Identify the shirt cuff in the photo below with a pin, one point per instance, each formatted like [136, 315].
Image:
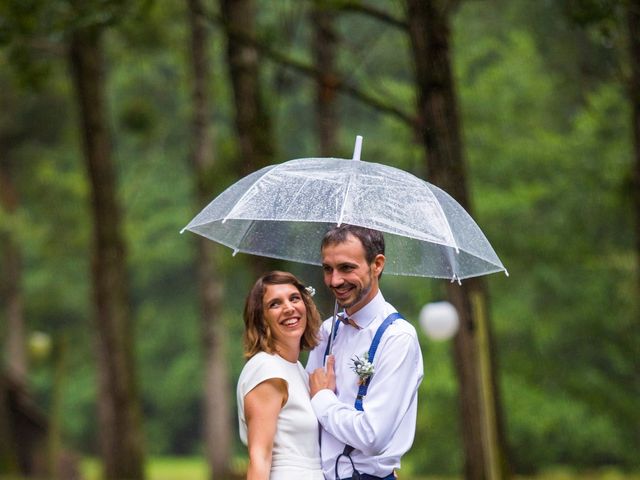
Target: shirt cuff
[321, 401]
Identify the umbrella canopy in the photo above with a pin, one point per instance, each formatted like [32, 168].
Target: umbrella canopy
[282, 211]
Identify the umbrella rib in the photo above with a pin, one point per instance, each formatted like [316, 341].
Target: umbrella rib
[457, 248]
[446, 221]
[453, 260]
[244, 235]
[346, 194]
[246, 194]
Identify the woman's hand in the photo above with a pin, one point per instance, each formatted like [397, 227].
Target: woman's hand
[262, 406]
[322, 378]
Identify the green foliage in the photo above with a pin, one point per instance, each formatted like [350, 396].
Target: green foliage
[432, 450]
[560, 186]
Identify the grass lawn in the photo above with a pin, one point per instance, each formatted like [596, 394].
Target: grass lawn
[161, 468]
[194, 468]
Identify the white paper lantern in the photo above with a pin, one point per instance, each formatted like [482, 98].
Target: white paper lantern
[439, 320]
[39, 345]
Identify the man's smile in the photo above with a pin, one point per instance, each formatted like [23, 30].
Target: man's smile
[343, 290]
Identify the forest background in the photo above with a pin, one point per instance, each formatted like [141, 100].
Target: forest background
[547, 131]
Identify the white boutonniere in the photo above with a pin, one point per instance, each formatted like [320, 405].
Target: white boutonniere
[362, 367]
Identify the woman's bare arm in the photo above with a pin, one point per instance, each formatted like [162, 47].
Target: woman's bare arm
[262, 406]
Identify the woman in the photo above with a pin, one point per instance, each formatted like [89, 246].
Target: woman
[276, 420]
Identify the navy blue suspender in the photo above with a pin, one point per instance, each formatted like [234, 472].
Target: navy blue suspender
[362, 390]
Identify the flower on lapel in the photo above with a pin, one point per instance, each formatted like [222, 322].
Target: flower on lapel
[362, 367]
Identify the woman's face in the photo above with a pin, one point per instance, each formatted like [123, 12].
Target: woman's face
[285, 312]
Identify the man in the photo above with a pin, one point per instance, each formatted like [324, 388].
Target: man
[382, 428]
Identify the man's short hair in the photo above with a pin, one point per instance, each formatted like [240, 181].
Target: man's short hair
[372, 240]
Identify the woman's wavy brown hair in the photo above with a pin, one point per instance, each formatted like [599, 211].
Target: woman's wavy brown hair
[257, 334]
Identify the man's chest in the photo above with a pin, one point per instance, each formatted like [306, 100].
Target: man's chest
[348, 348]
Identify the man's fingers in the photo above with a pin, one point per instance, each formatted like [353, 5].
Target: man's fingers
[317, 381]
[331, 362]
[331, 374]
[323, 378]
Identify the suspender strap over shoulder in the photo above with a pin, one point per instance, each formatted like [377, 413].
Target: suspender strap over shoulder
[362, 391]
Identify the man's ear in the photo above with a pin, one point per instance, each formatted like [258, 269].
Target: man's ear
[378, 264]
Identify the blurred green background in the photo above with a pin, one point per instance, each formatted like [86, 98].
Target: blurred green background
[547, 131]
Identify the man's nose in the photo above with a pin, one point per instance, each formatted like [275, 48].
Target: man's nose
[335, 279]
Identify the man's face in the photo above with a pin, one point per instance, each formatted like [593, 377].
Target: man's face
[348, 275]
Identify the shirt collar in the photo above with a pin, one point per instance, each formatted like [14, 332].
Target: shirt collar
[368, 313]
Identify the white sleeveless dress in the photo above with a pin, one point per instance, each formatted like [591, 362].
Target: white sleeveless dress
[296, 454]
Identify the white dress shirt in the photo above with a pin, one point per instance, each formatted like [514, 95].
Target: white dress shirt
[384, 431]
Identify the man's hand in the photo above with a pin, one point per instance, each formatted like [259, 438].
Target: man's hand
[322, 378]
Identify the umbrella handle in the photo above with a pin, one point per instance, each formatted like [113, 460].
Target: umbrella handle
[333, 326]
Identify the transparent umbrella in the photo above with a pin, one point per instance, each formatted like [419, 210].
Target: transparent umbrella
[282, 211]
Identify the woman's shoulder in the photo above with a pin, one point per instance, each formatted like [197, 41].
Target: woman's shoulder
[260, 360]
[259, 368]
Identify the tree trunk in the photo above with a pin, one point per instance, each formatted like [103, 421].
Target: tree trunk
[324, 52]
[253, 124]
[439, 130]
[633, 18]
[118, 403]
[217, 408]
[8, 455]
[11, 293]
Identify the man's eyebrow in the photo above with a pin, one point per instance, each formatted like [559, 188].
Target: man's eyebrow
[347, 264]
[341, 264]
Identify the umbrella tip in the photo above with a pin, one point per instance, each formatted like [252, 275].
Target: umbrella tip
[182, 231]
[357, 148]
